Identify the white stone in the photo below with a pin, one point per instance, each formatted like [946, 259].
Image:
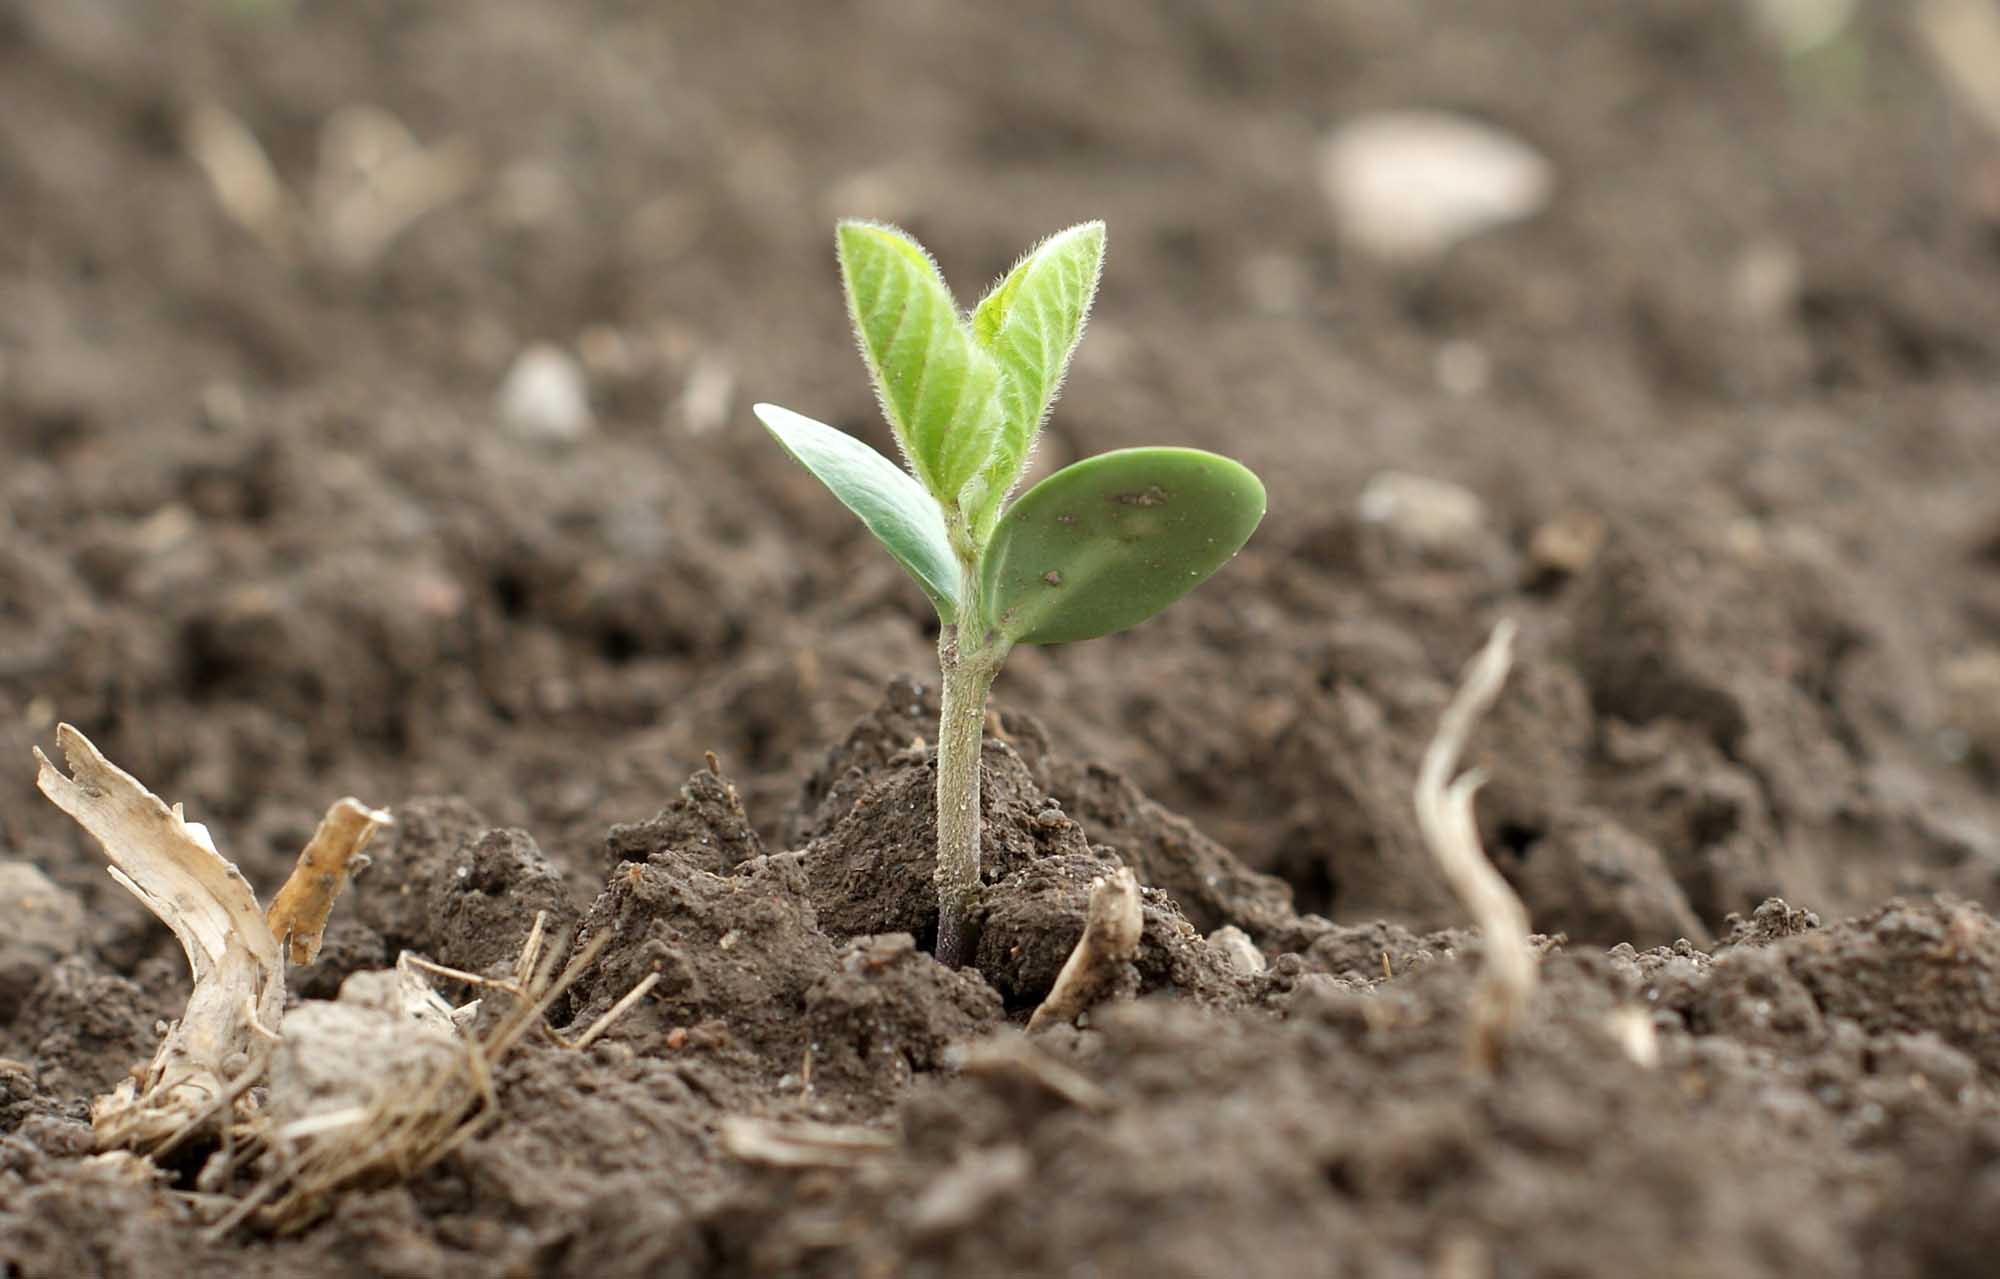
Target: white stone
[38, 912]
[1970, 684]
[544, 396]
[1236, 947]
[1406, 186]
[1796, 27]
[1430, 518]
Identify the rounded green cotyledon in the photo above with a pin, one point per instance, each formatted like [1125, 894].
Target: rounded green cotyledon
[1103, 545]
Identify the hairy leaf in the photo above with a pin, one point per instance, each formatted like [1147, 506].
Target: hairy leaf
[939, 388]
[1031, 322]
[893, 506]
[1108, 542]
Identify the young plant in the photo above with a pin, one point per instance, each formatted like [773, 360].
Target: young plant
[1097, 547]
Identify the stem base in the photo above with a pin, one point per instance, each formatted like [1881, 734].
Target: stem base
[961, 726]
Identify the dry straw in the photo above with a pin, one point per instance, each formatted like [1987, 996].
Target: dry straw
[1444, 813]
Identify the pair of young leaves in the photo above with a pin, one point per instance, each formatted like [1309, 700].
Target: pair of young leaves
[1098, 546]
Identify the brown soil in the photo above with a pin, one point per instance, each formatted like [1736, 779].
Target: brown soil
[263, 538]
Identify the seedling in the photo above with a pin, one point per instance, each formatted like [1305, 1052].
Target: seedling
[1095, 548]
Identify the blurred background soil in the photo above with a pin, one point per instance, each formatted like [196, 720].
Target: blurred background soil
[297, 499]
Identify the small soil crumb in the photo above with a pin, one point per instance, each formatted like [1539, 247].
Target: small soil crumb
[1912, 966]
[736, 955]
[347, 947]
[889, 1014]
[1772, 921]
[84, 1030]
[1205, 879]
[1598, 882]
[1028, 930]
[1418, 519]
[705, 824]
[750, 983]
[393, 896]
[485, 897]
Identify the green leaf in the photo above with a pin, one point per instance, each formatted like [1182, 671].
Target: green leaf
[939, 388]
[893, 506]
[1031, 323]
[1108, 542]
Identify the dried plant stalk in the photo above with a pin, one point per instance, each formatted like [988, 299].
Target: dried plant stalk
[222, 1043]
[1111, 929]
[802, 1143]
[239, 170]
[1444, 813]
[298, 913]
[239, 982]
[366, 1089]
[1016, 1060]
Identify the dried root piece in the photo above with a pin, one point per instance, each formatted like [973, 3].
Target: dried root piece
[1444, 813]
[802, 1144]
[1111, 928]
[1015, 1060]
[222, 1042]
[239, 171]
[624, 1005]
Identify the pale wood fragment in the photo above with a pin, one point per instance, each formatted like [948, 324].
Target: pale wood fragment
[298, 913]
[1111, 928]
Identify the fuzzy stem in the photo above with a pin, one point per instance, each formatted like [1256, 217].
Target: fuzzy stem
[968, 674]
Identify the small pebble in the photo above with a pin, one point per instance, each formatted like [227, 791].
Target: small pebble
[39, 913]
[1406, 186]
[1970, 683]
[1797, 27]
[1566, 544]
[544, 397]
[1428, 517]
[1238, 949]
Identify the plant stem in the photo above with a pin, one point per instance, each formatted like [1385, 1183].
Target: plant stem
[968, 674]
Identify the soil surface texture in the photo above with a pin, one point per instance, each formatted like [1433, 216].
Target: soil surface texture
[296, 503]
